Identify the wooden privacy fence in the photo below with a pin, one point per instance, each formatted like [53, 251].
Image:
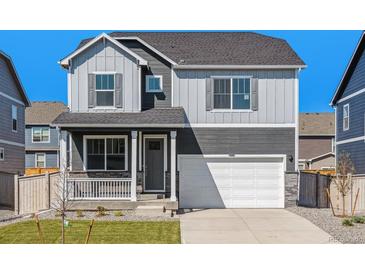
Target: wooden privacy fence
[312, 190]
[7, 189]
[336, 198]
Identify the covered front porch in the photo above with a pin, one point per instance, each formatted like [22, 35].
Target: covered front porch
[120, 168]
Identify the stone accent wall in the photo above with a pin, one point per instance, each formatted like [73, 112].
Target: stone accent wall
[291, 189]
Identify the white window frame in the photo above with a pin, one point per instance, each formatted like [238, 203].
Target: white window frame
[41, 142]
[104, 90]
[348, 117]
[231, 109]
[36, 161]
[14, 112]
[87, 137]
[148, 90]
[2, 151]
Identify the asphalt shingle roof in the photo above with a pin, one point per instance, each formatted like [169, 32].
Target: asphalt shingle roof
[151, 117]
[43, 113]
[317, 124]
[218, 48]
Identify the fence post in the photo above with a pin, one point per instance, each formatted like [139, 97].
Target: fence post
[16, 194]
[317, 189]
[47, 190]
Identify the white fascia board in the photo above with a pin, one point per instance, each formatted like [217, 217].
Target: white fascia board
[120, 125]
[320, 156]
[148, 46]
[347, 68]
[65, 62]
[239, 66]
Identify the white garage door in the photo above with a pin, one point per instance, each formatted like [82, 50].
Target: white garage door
[227, 182]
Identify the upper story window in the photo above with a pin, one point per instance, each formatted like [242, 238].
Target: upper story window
[14, 116]
[2, 154]
[153, 83]
[232, 93]
[40, 135]
[105, 88]
[346, 117]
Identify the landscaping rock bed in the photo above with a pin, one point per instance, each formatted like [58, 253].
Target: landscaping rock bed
[127, 215]
[323, 218]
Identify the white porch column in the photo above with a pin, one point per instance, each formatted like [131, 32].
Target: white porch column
[63, 150]
[173, 165]
[134, 166]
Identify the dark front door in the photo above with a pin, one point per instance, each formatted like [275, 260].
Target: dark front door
[154, 165]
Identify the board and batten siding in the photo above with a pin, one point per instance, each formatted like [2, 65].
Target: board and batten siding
[276, 96]
[156, 66]
[103, 57]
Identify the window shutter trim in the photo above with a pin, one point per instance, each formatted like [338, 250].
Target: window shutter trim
[91, 90]
[119, 90]
[209, 94]
[255, 97]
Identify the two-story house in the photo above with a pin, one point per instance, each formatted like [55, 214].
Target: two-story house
[349, 104]
[13, 101]
[42, 139]
[317, 141]
[208, 119]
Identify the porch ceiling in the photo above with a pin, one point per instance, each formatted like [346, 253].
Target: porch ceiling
[157, 117]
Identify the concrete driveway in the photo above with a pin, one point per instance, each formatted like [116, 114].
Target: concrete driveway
[249, 226]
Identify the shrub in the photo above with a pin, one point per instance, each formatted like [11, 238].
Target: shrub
[118, 214]
[347, 222]
[358, 219]
[79, 214]
[100, 211]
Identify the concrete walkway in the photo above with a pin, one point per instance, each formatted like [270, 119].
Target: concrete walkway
[249, 226]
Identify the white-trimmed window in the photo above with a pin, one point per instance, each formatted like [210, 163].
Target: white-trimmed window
[14, 117]
[2, 154]
[153, 83]
[40, 160]
[106, 153]
[40, 135]
[105, 90]
[346, 117]
[232, 93]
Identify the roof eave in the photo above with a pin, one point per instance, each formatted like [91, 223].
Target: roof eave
[239, 66]
[334, 97]
[83, 125]
[65, 62]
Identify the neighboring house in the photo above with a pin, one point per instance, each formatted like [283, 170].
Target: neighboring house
[349, 104]
[42, 139]
[206, 119]
[13, 101]
[317, 141]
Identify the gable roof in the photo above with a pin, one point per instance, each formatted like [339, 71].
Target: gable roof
[216, 48]
[15, 75]
[65, 61]
[317, 124]
[349, 69]
[43, 113]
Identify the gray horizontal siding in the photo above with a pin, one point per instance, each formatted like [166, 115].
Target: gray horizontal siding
[357, 80]
[54, 137]
[6, 123]
[51, 159]
[238, 141]
[357, 154]
[100, 58]
[156, 66]
[7, 83]
[276, 96]
[357, 112]
[14, 159]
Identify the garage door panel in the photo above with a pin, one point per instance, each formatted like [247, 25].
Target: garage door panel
[231, 182]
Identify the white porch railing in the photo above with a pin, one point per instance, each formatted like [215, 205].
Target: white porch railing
[99, 189]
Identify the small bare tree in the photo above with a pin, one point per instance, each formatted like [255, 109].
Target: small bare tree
[343, 180]
[61, 201]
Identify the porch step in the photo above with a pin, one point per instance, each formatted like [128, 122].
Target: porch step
[149, 197]
[151, 210]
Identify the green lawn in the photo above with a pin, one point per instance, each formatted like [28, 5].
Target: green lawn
[103, 232]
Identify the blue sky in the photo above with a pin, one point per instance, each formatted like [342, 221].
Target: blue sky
[35, 54]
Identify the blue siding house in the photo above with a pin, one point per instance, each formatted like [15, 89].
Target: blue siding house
[42, 139]
[349, 104]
